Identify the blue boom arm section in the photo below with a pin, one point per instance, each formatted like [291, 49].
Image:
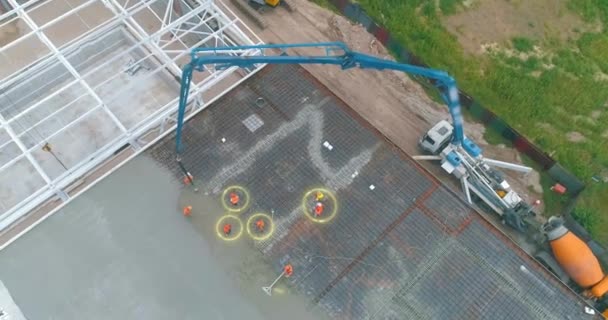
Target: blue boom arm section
[336, 53]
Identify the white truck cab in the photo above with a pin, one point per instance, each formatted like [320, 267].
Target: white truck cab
[437, 137]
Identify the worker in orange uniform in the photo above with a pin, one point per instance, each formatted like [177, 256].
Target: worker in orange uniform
[234, 198]
[288, 270]
[188, 178]
[319, 207]
[260, 224]
[187, 211]
[227, 229]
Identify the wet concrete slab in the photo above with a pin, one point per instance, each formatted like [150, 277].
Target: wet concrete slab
[123, 251]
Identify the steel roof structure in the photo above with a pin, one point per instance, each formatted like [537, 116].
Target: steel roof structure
[81, 79]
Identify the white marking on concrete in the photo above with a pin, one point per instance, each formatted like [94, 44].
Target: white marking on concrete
[308, 116]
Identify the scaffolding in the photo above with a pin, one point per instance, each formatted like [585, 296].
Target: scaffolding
[81, 80]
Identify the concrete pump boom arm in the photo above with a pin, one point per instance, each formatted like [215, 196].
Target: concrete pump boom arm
[336, 53]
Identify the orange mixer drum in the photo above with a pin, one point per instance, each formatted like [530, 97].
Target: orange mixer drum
[575, 257]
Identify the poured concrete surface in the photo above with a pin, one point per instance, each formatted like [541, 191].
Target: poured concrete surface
[123, 251]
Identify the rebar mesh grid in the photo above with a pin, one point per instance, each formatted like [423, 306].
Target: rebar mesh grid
[400, 246]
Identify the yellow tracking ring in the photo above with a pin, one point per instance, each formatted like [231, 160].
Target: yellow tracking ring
[228, 218]
[332, 213]
[237, 209]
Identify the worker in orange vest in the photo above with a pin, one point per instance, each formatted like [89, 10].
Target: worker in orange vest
[288, 270]
[319, 207]
[234, 198]
[187, 211]
[227, 229]
[188, 178]
[260, 224]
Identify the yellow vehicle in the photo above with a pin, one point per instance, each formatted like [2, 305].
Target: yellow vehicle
[255, 9]
[271, 3]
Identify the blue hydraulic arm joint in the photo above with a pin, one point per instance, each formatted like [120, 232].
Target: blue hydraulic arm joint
[336, 53]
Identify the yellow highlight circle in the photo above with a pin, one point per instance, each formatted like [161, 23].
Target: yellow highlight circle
[331, 197]
[230, 208]
[252, 234]
[219, 228]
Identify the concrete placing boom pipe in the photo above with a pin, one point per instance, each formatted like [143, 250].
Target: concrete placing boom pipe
[336, 53]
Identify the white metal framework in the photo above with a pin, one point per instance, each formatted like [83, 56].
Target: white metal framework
[81, 79]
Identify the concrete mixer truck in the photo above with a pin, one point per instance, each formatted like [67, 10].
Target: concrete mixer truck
[573, 261]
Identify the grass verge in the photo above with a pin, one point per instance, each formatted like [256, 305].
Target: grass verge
[558, 99]
[327, 5]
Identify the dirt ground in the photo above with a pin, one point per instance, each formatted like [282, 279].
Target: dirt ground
[392, 102]
[498, 21]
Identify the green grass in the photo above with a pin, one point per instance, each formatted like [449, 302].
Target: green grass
[590, 10]
[493, 137]
[448, 7]
[554, 203]
[577, 64]
[587, 218]
[526, 93]
[532, 64]
[594, 46]
[523, 44]
[325, 4]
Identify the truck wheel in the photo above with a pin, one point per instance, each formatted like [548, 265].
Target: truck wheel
[547, 260]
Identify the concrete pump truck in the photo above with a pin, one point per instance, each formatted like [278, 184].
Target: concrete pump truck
[445, 142]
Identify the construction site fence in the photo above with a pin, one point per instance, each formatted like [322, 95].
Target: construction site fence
[356, 14]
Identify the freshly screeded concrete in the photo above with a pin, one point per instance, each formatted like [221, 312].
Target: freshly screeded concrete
[124, 251]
